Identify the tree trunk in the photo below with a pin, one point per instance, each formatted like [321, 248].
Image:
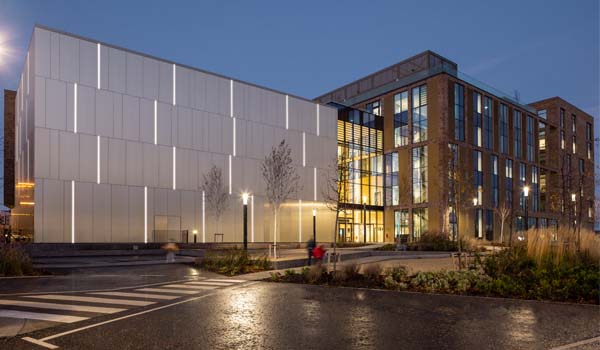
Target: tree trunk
[275, 234]
[501, 231]
[335, 233]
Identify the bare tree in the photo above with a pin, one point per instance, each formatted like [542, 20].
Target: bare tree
[335, 192]
[504, 212]
[281, 181]
[215, 194]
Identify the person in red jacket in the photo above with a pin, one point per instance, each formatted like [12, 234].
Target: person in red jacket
[318, 254]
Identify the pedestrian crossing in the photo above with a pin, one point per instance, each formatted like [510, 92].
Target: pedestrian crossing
[76, 307]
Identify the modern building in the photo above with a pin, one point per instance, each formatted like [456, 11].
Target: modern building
[111, 146]
[457, 150]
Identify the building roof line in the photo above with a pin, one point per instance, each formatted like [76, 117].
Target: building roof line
[81, 37]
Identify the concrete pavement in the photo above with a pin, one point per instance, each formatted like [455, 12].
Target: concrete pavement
[287, 316]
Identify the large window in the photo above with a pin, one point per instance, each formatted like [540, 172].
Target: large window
[477, 127]
[374, 107]
[478, 178]
[478, 223]
[401, 119]
[529, 140]
[401, 222]
[562, 118]
[517, 133]
[509, 181]
[503, 129]
[542, 142]
[562, 139]
[542, 114]
[419, 174]
[494, 197]
[543, 181]
[522, 181]
[589, 140]
[573, 124]
[574, 144]
[459, 112]
[535, 190]
[488, 139]
[420, 220]
[419, 115]
[391, 179]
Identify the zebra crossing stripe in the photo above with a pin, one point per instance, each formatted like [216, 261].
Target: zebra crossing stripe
[67, 307]
[138, 295]
[93, 300]
[41, 316]
[225, 280]
[186, 286]
[168, 290]
[206, 283]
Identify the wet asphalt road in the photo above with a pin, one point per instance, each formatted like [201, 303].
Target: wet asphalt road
[266, 315]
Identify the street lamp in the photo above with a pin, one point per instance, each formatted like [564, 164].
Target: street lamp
[245, 196]
[574, 200]
[365, 219]
[526, 194]
[314, 212]
[195, 232]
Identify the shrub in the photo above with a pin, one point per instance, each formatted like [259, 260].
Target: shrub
[433, 242]
[372, 271]
[14, 261]
[314, 274]
[397, 273]
[351, 272]
[234, 262]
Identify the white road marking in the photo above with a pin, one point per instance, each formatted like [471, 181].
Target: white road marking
[225, 280]
[579, 343]
[185, 286]
[167, 290]
[93, 300]
[69, 307]
[42, 342]
[138, 295]
[207, 283]
[41, 316]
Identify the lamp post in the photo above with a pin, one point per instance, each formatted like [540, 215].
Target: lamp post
[526, 194]
[475, 200]
[245, 203]
[314, 212]
[195, 232]
[365, 219]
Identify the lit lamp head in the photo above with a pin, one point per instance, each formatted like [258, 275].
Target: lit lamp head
[195, 232]
[474, 201]
[526, 191]
[365, 199]
[573, 197]
[245, 196]
[314, 212]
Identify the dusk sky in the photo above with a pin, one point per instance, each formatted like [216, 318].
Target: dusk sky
[306, 48]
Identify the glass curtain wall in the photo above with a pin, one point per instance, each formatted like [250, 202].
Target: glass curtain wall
[360, 145]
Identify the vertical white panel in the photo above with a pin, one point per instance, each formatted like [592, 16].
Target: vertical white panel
[318, 117]
[252, 217]
[72, 211]
[287, 112]
[28, 73]
[231, 98]
[99, 65]
[203, 218]
[230, 174]
[299, 220]
[174, 85]
[303, 148]
[234, 137]
[145, 214]
[75, 108]
[98, 159]
[315, 184]
[155, 122]
[174, 168]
